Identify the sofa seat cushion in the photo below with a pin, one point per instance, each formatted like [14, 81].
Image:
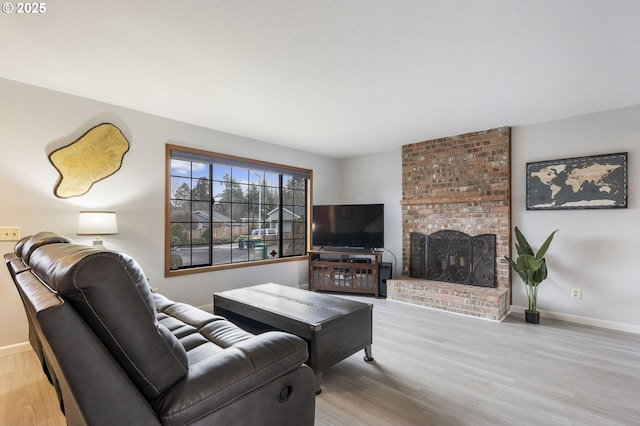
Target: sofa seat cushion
[201, 333]
[225, 361]
[190, 315]
[225, 375]
[111, 293]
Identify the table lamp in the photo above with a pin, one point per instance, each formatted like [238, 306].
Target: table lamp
[97, 223]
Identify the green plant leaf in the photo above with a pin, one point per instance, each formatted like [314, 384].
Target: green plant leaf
[515, 268]
[526, 264]
[545, 246]
[541, 273]
[523, 246]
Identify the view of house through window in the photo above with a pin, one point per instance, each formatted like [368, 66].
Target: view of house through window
[225, 210]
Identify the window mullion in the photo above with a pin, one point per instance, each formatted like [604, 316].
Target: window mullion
[211, 230]
[186, 245]
[280, 215]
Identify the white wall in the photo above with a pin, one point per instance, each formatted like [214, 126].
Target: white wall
[595, 250]
[34, 121]
[377, 178]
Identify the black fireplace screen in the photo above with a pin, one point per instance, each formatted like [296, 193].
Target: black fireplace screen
[454, 256]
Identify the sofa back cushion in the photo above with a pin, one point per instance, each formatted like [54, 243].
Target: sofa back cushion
[27, 245]
[110, 292]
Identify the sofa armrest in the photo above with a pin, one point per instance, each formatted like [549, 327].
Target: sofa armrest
[229, 374]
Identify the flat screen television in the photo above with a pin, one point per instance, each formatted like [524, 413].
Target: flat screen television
[348, 226]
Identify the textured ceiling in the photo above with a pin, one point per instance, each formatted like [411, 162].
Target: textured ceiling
[335, 77]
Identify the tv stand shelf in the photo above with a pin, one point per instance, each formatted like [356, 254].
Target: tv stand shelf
[347, 271]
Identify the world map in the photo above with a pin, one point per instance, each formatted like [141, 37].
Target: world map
[585, 182]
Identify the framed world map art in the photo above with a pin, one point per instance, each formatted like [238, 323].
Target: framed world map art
[594, 182]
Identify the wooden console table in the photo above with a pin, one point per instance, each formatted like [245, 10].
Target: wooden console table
[354, 271]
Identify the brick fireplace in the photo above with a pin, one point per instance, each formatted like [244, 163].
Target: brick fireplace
[459, 183]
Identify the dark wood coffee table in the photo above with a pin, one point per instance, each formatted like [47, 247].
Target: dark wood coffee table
[334, 328]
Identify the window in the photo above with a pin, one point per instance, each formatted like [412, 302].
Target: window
[226, 211]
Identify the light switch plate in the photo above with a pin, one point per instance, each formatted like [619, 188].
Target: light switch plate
[9, 233]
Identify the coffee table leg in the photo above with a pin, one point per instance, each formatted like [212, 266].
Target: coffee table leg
[367, 354]
[317, 379]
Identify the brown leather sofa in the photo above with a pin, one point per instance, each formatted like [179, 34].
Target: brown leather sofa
[119, 354]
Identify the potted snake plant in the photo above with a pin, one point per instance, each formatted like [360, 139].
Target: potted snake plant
[532, 269]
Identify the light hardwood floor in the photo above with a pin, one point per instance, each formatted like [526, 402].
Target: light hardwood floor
[435, 368]
[26, 397]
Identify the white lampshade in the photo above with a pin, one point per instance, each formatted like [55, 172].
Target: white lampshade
[97, 223]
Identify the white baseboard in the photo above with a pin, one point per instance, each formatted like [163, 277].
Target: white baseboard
[14, 349]
[612, 325]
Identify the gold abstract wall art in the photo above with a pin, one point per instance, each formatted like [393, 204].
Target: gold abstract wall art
[96, 155]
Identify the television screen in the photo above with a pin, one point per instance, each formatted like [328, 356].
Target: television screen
[349, 225]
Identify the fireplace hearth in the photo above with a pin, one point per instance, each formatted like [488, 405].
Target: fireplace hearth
[455, 257]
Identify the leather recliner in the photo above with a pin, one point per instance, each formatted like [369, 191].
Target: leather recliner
[117, 353]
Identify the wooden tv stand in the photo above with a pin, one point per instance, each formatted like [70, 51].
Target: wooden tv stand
[345, 271]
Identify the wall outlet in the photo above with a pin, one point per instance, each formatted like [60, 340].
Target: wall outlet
[576, 293]
[9, 234]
